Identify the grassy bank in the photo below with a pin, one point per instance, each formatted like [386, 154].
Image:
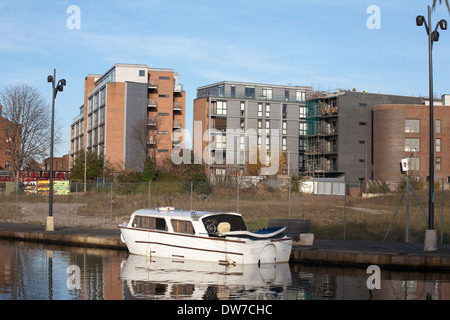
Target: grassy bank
[363, 219]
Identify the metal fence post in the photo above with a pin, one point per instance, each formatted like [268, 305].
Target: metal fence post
[345, 210]
[191, 193]
[110, 220]
[76, 204]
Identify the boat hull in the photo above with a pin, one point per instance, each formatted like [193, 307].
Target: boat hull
[234, 250]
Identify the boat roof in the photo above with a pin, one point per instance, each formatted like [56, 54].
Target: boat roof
[175, 212]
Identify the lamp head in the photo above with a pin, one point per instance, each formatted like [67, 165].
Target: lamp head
[435, 36]
[420, 20]
[49, 78]
[63, 82]
[443, 24]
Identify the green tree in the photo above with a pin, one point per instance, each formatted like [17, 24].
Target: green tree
[95, 166]
[149, 172]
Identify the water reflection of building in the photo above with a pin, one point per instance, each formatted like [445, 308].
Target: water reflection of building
[311, 282]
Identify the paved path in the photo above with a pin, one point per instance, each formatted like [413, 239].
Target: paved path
[330, 252]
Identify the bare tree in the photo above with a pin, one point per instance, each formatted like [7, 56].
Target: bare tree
[146, 137]
[28, 125]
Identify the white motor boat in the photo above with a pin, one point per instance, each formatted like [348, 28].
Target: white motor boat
[220, 237]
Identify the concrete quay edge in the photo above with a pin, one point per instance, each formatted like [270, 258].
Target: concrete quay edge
[108, 239]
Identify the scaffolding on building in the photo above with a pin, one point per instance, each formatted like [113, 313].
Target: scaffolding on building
[321, 132]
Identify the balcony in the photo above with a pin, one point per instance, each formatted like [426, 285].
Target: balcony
[152, 84]
[151, 141]
[178, 88]
[177, 124]
[152, 103]
[177, 106]
[151, 122]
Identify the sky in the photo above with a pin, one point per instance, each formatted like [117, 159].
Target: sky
[326, 44]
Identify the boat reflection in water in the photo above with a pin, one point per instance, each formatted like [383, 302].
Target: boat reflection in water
[163, 278]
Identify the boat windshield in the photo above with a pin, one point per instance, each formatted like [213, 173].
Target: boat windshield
[212, 222]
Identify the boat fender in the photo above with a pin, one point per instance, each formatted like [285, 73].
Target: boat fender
[122, 239]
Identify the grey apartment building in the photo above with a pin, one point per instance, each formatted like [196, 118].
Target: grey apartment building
[340, 133]
[257, 108]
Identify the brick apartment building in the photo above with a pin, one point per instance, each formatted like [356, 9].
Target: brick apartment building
[246, 108]
[402, 132]
[129, 113]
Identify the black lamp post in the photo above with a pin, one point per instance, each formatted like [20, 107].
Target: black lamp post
[430, 234]
[55, 88]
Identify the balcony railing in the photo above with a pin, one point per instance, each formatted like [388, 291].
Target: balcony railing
[178, 88]
[152, 84]
[152, 103]
[177, 106]
[177, 124]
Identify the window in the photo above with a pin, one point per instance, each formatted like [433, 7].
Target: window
[151, 223]
[302, 128]
[96, 101]
[163, 132]
[286, 95]
[300, 96]
[438, 145]
[302, 112]
[267, 93]
[164, 78]
[267, 126]
[284, 110]
[221, 91]
[90, 104]
[233, 91]
[412, 145]
[163, 114]
[221, 107]
[182, 226]
[438, 164]
[102, 97]
[284, 144]
[250, 93]
[141, 73]
[284, 127]
[412, 125]
[363, 105]
[438, 126]
[362, 123]
[163, 95]
[163, 150]
[242, 108]
[260, 107]
[267, 110]
[102, 115]
[414, 163]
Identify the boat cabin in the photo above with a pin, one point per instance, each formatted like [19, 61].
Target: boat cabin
[169, 219]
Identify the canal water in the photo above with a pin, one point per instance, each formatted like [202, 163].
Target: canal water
[30, 271]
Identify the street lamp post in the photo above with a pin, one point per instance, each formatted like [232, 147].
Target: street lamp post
[50, 226]
[430, 233]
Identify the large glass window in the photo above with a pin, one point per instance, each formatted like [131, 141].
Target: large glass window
[412, 145]
[250, 93]
[412, 125]
[221, 107]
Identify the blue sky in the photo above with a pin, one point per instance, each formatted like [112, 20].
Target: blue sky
[325, 44]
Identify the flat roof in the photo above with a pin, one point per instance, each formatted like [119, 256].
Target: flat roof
[250, 84]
